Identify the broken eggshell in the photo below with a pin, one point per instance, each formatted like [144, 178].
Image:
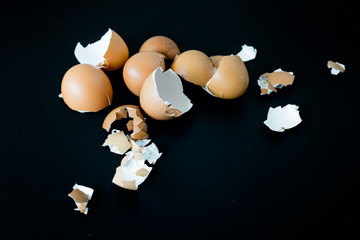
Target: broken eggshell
[136, 122]
[109, 53]
[81, 196]
[162, 96]
[161, 44]
[194, 66]
[231, 78]
[247, 53]
[335, 67]
[85, 88]
[279, 119]
[139, 67]
[269, 82]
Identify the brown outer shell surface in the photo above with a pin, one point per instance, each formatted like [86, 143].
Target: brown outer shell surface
[112, 116]
[194, 66]
[86, 88]
[283, 78]
[151, 102]
[161, 44]
[117, 53]
[139, 67]
[231, 79]
[216, 60]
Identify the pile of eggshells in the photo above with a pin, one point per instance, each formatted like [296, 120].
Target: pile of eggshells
[86, 88]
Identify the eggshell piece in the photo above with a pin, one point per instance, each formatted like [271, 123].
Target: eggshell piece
[139, 67]
[194, 66]
[161, 44]
[216, 60]
[162, 96]
[85, 88]
[231, 78]
[109, 53]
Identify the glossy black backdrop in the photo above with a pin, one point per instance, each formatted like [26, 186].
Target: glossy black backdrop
[223, 173]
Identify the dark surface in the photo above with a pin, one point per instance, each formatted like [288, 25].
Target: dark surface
[223, 173]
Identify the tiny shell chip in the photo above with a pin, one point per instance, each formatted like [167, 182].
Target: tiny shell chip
[247, 53]
[162, 96]
[194, 66]
[117, 142]
[85, 88]
[81, 195]
[161, 44]
[231, 78]
[279, 119]
[336, 67]
[109, 53]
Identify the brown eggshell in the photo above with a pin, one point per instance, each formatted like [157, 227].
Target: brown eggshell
[161, 44]
[151, 102]
[139, 67]
[231, 78]
[117, 53]
[194, 66]
[86, 88]
[117, 114]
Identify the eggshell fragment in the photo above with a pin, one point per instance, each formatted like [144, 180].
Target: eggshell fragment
[336, 67]
[279, 119]
[109, 53]
[247, 53]
[231, 78]
[81, 196]
[117, 142]
[194, 66]
[162, 96]
[161, 44]
[269, 82]
[139, 67]
[85, 88]
[139, 126]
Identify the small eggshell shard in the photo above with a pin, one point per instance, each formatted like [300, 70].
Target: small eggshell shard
[109, 53]
[194, 66]
[247, 53]
[279, 119]
[81, 196]
[161, 44]
[137, 121]
[335, 67]
[85, 88]
[133, 169]
[231, 78]
[139, 67]
[117, 142]
[162, 96]
[270, 82]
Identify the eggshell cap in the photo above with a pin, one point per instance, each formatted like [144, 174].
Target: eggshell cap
[161, 44]
[86, 88]
[139, 67]
[231, 78]
[194, 66]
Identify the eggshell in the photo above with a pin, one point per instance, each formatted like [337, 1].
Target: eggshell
[194, 66]
[116, 114]
[162, 97]
[139, 67]
[109, 53]
[161, 44]
[117, 53]
[86, 88]
[231, 78]
[216, 60]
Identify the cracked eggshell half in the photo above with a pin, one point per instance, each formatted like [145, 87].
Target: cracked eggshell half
[109, 53]
[139, 67]
[162, 96]
[161, 44]
[231, 78]
[85, 88]
[194, 66]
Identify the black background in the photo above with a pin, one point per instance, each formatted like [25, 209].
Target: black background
[223, 173]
